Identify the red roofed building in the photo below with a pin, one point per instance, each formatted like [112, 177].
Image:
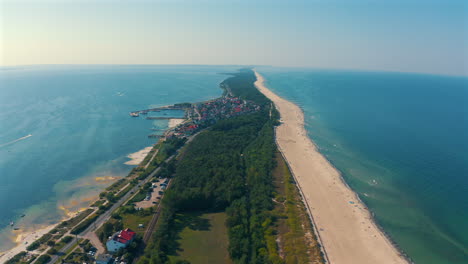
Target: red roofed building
[120, 240]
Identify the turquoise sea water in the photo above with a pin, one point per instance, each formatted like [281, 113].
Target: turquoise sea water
[401, 142]
[80, 126]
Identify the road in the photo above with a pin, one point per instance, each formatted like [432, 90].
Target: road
[105, 216]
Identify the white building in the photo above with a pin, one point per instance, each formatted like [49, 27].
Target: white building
[120, 240]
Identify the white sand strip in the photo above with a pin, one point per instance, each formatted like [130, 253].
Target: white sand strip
[137, 157]
[345, 226]
[175, 121]
[23, 240]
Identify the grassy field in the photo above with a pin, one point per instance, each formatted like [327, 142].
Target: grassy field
[133, 220]
[202, 239]
[129, 220]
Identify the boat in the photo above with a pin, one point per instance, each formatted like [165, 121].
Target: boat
[23, 215]
[12, 223]
[16, 228]
[134, 114]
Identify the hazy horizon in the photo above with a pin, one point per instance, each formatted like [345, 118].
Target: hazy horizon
[401, 36]
[291, 68]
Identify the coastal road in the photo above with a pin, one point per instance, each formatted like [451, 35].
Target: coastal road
[105, 216]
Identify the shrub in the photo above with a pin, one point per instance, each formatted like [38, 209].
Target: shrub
[43, 259]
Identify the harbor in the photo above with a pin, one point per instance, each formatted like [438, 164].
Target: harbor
[183, 107]
[197, 116]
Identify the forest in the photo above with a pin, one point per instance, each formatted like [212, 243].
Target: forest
[226, 168]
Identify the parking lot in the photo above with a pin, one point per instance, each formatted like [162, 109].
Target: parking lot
[154, 197]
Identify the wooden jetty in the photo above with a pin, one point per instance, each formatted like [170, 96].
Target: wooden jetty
[155, 136]
[159, 109]
[163, 117]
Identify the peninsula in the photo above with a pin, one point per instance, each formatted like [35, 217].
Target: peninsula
[235, 182]
[216, 177]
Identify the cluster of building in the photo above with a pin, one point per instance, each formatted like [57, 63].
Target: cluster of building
[184, 130]
[207, 113]
[224, 107]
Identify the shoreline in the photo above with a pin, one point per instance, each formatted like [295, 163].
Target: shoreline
[21, 237]
[137, 157]
[30, 236]
[25, 237]
[345, 227]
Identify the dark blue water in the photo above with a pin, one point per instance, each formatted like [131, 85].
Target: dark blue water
[400, 141]
[81, 130]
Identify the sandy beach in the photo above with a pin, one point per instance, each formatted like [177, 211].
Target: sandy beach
[24, 239]
[137, 157]
[344, 225]
[175, 121]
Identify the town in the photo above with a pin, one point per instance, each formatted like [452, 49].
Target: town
[203, 114]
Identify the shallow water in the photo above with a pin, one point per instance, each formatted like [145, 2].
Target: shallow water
[400, 141]
[81, 131]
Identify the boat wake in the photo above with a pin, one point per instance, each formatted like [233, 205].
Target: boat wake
[14, 141]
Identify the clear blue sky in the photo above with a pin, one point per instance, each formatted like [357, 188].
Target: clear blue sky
[392, 35]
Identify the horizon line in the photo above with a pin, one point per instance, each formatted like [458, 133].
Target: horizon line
[244, 65]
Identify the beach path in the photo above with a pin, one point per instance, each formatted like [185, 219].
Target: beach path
[345, 227]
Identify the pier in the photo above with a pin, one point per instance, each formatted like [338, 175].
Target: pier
[155, 136]
[164, 117]
[162, 108]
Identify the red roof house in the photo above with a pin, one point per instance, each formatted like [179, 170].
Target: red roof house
[120, 240]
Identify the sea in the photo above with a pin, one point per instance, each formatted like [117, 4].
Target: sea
[400, 141]
[66, 132]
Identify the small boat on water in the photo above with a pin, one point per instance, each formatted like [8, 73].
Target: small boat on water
[23, 215]
[12, 223]
[134, 114]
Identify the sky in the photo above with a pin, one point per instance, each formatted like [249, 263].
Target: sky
[428, 36]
